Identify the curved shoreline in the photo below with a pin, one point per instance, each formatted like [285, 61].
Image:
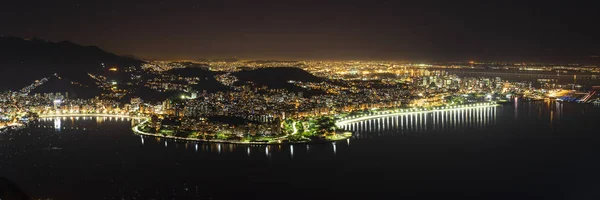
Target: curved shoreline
[139, 132]
[343, 121]
[357, 118]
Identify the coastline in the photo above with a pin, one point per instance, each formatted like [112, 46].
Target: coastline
[343, 121]
[281, 139]
[139, 132]
[356, 118]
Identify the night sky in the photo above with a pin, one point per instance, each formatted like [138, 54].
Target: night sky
[375, 30]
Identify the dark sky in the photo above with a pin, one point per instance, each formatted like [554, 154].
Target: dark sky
[389, 30]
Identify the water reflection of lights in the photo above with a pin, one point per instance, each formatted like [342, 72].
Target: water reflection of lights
[443, 120]
[267, 150]
[402, 124]
[334, 148]
[290, 151]
[57, 125]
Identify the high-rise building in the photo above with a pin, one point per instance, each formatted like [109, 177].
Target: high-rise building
[57, 103]
[135, 103]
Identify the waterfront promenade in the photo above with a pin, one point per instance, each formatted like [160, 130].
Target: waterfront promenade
[409, 111]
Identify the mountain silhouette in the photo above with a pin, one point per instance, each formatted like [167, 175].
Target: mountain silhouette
[278, 78]
[275, 77]
[206, 78]
[23, 61]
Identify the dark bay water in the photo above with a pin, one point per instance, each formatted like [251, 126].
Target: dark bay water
[531, 150]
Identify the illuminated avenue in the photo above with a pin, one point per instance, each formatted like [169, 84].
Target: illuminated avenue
[313, 106]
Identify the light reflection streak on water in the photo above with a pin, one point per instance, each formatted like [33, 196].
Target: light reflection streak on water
[439, 121]
[334, 148]
[57, 125]
[267, 151]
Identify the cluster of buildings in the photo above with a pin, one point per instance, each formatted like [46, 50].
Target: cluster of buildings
[352, 86]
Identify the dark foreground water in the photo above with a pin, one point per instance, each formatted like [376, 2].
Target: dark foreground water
[538, 150]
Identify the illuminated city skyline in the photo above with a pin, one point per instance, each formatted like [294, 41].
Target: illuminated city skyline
[307, 99]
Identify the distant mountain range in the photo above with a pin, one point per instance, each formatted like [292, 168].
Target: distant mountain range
[274, 78]
[66, 66]
[206, 78]
[277, 78]
[24, 60]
